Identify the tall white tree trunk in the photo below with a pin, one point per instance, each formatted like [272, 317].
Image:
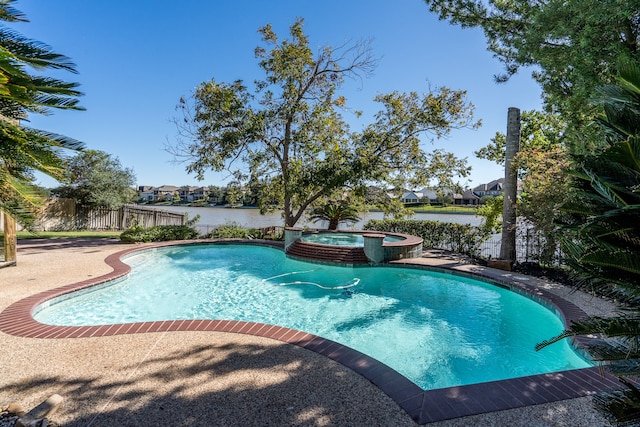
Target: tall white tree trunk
[508, 243]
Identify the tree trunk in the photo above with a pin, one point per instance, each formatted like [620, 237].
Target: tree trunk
[508, 243]
[10, 242]
[287, 213]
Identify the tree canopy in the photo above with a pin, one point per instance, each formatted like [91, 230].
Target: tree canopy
[573, 46]
[289, 137]
[22, 149]
[538, 131]
[98, 180]
[601, 242]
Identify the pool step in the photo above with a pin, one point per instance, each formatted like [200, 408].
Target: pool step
[337, 254]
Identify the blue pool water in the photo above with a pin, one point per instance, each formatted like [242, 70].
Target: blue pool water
[342, 239]
[436, 329]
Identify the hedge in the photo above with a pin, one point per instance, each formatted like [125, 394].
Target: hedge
[158, 233]
[459, 238]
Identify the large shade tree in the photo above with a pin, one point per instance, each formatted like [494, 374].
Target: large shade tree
[96, 179]
[289, 137]
[24, 150]
[572, 46]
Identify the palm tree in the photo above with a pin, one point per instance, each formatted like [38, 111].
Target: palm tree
[24, 150]
[335, 212]
[602, 241]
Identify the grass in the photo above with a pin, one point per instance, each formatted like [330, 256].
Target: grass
[62, 234]
[443, 209]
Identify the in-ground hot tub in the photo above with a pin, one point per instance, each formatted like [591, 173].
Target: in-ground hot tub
[351, 247]
[342, 238]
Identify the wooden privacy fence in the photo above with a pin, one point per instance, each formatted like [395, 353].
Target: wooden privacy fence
[65, 215]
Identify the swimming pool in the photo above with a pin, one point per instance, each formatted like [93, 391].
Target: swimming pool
[436, 329]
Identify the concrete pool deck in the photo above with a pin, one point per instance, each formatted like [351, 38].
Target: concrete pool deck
[208, 377]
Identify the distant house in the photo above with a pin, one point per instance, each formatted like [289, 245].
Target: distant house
[200, 193]
[429, 195]
[493, 188]
[165, 191]
[466, 198]
[146, 193]
[426, 195]
[411, 197]
[186, 193]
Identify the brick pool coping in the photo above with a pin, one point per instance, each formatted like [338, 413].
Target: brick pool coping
[423, 406]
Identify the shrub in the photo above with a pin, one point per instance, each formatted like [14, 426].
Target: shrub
[233, 231]
[491, 211]
[460, 238]
[158, 233]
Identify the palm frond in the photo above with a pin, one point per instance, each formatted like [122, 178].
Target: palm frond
[628, 152]
[621, 326]
[602, 240]
[605, 190]
[34, 53]
[10, 14]
[619, 260]
[622, 367]
[21, 200]
[23, 150]
[335, 212]
[621, 407]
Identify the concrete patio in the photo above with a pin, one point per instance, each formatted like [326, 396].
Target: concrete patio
[201, 378]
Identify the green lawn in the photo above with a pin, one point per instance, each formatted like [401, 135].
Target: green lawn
[443, 209]
[60, 234]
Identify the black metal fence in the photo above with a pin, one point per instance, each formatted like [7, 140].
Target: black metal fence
[531, 246]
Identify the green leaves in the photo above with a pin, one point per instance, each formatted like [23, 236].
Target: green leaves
[23, 150]
[335, 212]
[392, 145]
[290, 133]
[458, 238]
[158, 233]
[19, 198]
[573, 46]
[98, 180]
[600, 236]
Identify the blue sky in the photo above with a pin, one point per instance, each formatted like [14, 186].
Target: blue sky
[137, 58]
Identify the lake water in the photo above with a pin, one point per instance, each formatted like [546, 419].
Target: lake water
[211, 218]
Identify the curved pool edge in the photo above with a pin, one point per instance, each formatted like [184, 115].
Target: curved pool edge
[422, 406]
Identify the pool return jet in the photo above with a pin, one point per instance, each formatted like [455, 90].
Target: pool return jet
[353, 282]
